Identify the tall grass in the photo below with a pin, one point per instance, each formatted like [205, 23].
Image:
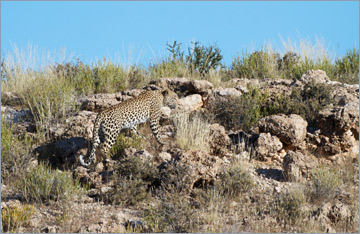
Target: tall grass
[192, 132]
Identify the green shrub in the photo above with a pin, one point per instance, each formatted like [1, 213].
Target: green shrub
[347, 67]
[15, 152]
[326, 182]
[14, 217]
[133, 181]
[50, 105]
[244, 111]
[288, 208]
[234, 181]
[259, 64]
[123, 142]
[42, 184]
[307, 102]
[173, 214]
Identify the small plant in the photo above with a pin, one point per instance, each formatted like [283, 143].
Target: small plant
[347, 67]
[15, 152]
[192, 132]
[326, 182]
[124, 142]
[244, 111]
[173, 214]
[14, 217]
[259, 64]
[234, 181]
[134, 178]
[288, 208]
[201, 59]
[42, 184]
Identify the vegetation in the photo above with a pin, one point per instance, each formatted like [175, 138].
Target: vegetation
[192, 132]
[14, 217]
[42, 185]
[161, 191]
[15, 152]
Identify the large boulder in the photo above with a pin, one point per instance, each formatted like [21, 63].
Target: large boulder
[200, 86]
[298, 166]
[316, 76]
[190, 103]
[219, 140]
[196, 168]
[267, 147]
[339, 131]
[339, 120]
[291, 130]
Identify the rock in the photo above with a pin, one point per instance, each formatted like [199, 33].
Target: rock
[50, 229]
[143, 154]
[328, 214]
[291, 130]
[200, 168]
[176, 84]
[164, 157]
[298, 166]
[338, 120]
[316, 76]
[165, 112]
[80, 125]
[267, 147]
[227, 92]
[99, 102]
[99, 167]
[200, 86]
[8, 98]
[14, 115]
[339, 130]
[219, 140]
[190, 103]
[343, 96]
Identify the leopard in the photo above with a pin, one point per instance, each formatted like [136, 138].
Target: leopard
[127, 115]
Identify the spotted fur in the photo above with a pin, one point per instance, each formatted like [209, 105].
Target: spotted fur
[129, 114]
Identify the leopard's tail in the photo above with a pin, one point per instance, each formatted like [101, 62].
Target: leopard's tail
[86, 161]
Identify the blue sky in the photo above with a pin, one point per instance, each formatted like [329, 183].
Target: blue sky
[92, 30]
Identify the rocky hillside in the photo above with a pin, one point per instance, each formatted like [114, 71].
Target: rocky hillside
[283, 153]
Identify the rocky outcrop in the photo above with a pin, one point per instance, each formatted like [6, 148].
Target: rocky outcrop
[291, 130]
[339, 130]
[219, 141]
[190, 103]
[201, 167]
[267, 147]
[316, 76]
[297, 166]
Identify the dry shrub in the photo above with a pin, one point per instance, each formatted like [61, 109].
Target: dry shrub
[192, 132]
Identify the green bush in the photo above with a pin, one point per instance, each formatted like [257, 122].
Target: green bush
[234, 181]
[134, 179]
[42, 184]
[288, 208]
[307, 102]
[244, 111]
[326, 182]
[14, 217]
[173, 214]
[123, 142]
[15, 152]
[259, 64]
[347, 67]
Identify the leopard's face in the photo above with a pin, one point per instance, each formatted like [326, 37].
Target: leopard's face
[170, 99]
